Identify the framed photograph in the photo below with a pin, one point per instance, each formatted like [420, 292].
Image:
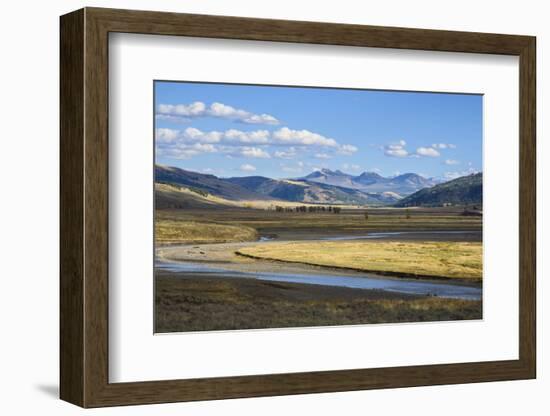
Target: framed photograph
[255, 207]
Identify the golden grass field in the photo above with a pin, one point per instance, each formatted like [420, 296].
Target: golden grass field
[173, 231]
[459, 260]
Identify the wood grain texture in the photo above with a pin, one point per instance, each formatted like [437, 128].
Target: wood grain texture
[528, 208]
[84, 207]
[96, 208]
[225, 27]
[71, 100]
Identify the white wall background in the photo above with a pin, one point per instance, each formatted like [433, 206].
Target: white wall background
[29, 207]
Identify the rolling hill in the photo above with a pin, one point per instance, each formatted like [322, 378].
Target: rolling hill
[208, 184]
[465, 190]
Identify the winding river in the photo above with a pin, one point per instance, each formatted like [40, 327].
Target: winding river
[332, 277]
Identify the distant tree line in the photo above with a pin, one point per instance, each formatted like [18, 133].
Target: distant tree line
[310, 209]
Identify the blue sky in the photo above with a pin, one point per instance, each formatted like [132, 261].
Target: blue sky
[281, 132]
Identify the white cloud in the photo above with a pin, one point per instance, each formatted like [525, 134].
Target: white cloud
[286, 154]
[250, 137]
[396, 152]
[281, 137]
[186, 151]
[452, 162]
[223, 110]
[195, 135]
[191, 142]
[443, 146]
[396, 149]
[301, 137]
[166, 135]
[254, 152]
[226, 111]
[185, 112]
[229, 137]
[248, 168]
[347, 149]
[428, 152]
[204, 147]
[239, 143]
[181, 110]
[261, 119]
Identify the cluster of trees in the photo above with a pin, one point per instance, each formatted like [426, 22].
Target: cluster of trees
[338, 210]
[312, 208]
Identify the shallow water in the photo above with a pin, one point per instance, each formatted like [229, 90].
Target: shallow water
[362, 281]
[396, 234]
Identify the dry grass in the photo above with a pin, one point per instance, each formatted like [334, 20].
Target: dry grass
[221, 304]
[192, 232]
[349, 221]
[462, 260]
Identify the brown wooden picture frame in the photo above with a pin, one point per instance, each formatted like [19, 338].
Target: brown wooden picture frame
[84, 207]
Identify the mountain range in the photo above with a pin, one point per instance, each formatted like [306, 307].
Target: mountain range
[402, 185]
[259, 188]
[301, 190]
[323, 187]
